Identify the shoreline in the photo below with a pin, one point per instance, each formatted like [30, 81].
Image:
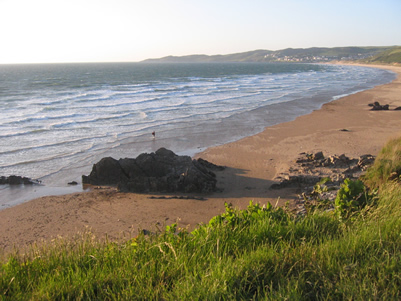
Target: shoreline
[252, 164]
[195, 139]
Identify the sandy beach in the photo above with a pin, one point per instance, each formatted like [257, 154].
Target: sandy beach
[344, 126]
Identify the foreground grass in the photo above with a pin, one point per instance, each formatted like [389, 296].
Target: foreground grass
[262, 253]
[258, 254]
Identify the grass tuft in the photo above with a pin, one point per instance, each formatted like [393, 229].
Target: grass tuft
[387, 166]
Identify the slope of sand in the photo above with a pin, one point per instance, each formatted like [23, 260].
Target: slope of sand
[252, 164]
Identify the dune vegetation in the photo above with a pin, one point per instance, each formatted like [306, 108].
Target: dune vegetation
[262, 253]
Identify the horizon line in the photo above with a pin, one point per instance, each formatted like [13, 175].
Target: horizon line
[178, 56]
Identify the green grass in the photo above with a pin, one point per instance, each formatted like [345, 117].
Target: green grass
[261, 253]
[387, 165]
[390, 56]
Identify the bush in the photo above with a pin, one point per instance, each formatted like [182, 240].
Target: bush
[351, 198]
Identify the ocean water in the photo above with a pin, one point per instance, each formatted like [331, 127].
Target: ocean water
[57, 120]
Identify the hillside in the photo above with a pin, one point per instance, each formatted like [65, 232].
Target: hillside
[250, 56]
[308, 55]
[390, 56]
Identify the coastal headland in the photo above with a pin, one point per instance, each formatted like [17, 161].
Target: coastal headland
[344, 126]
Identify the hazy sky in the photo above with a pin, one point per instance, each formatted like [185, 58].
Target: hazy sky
[35, 31]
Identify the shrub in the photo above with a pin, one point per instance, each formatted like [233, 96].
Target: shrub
[351, 198]
[318, 198]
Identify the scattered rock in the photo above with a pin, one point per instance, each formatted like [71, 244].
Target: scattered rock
[341, 161]
[296, 181]
[306, 158]
[365, 161]
[314, 167]
[72, 183]
[162, 171]
[317, 178]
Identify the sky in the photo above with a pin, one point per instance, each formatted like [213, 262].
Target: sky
[56, 31]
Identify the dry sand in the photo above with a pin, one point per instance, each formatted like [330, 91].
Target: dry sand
[252, 164]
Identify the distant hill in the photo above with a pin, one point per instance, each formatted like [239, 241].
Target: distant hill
[311, 55]
[250, 56]
[390, 56]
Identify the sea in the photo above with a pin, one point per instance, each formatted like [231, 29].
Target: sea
[57, 120]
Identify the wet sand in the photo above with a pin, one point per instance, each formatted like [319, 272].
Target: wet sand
[252, 165]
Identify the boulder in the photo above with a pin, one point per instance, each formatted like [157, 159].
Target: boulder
[162, 171]
[318, 156]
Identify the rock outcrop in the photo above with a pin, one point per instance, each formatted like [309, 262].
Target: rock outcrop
[311, 168]
[317, 178]
[162, 171]
[17, 180]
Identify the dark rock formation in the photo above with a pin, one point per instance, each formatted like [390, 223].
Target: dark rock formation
[17, 180]
[162, 171]
[210, 165]
[376, 106]
[107, 171]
